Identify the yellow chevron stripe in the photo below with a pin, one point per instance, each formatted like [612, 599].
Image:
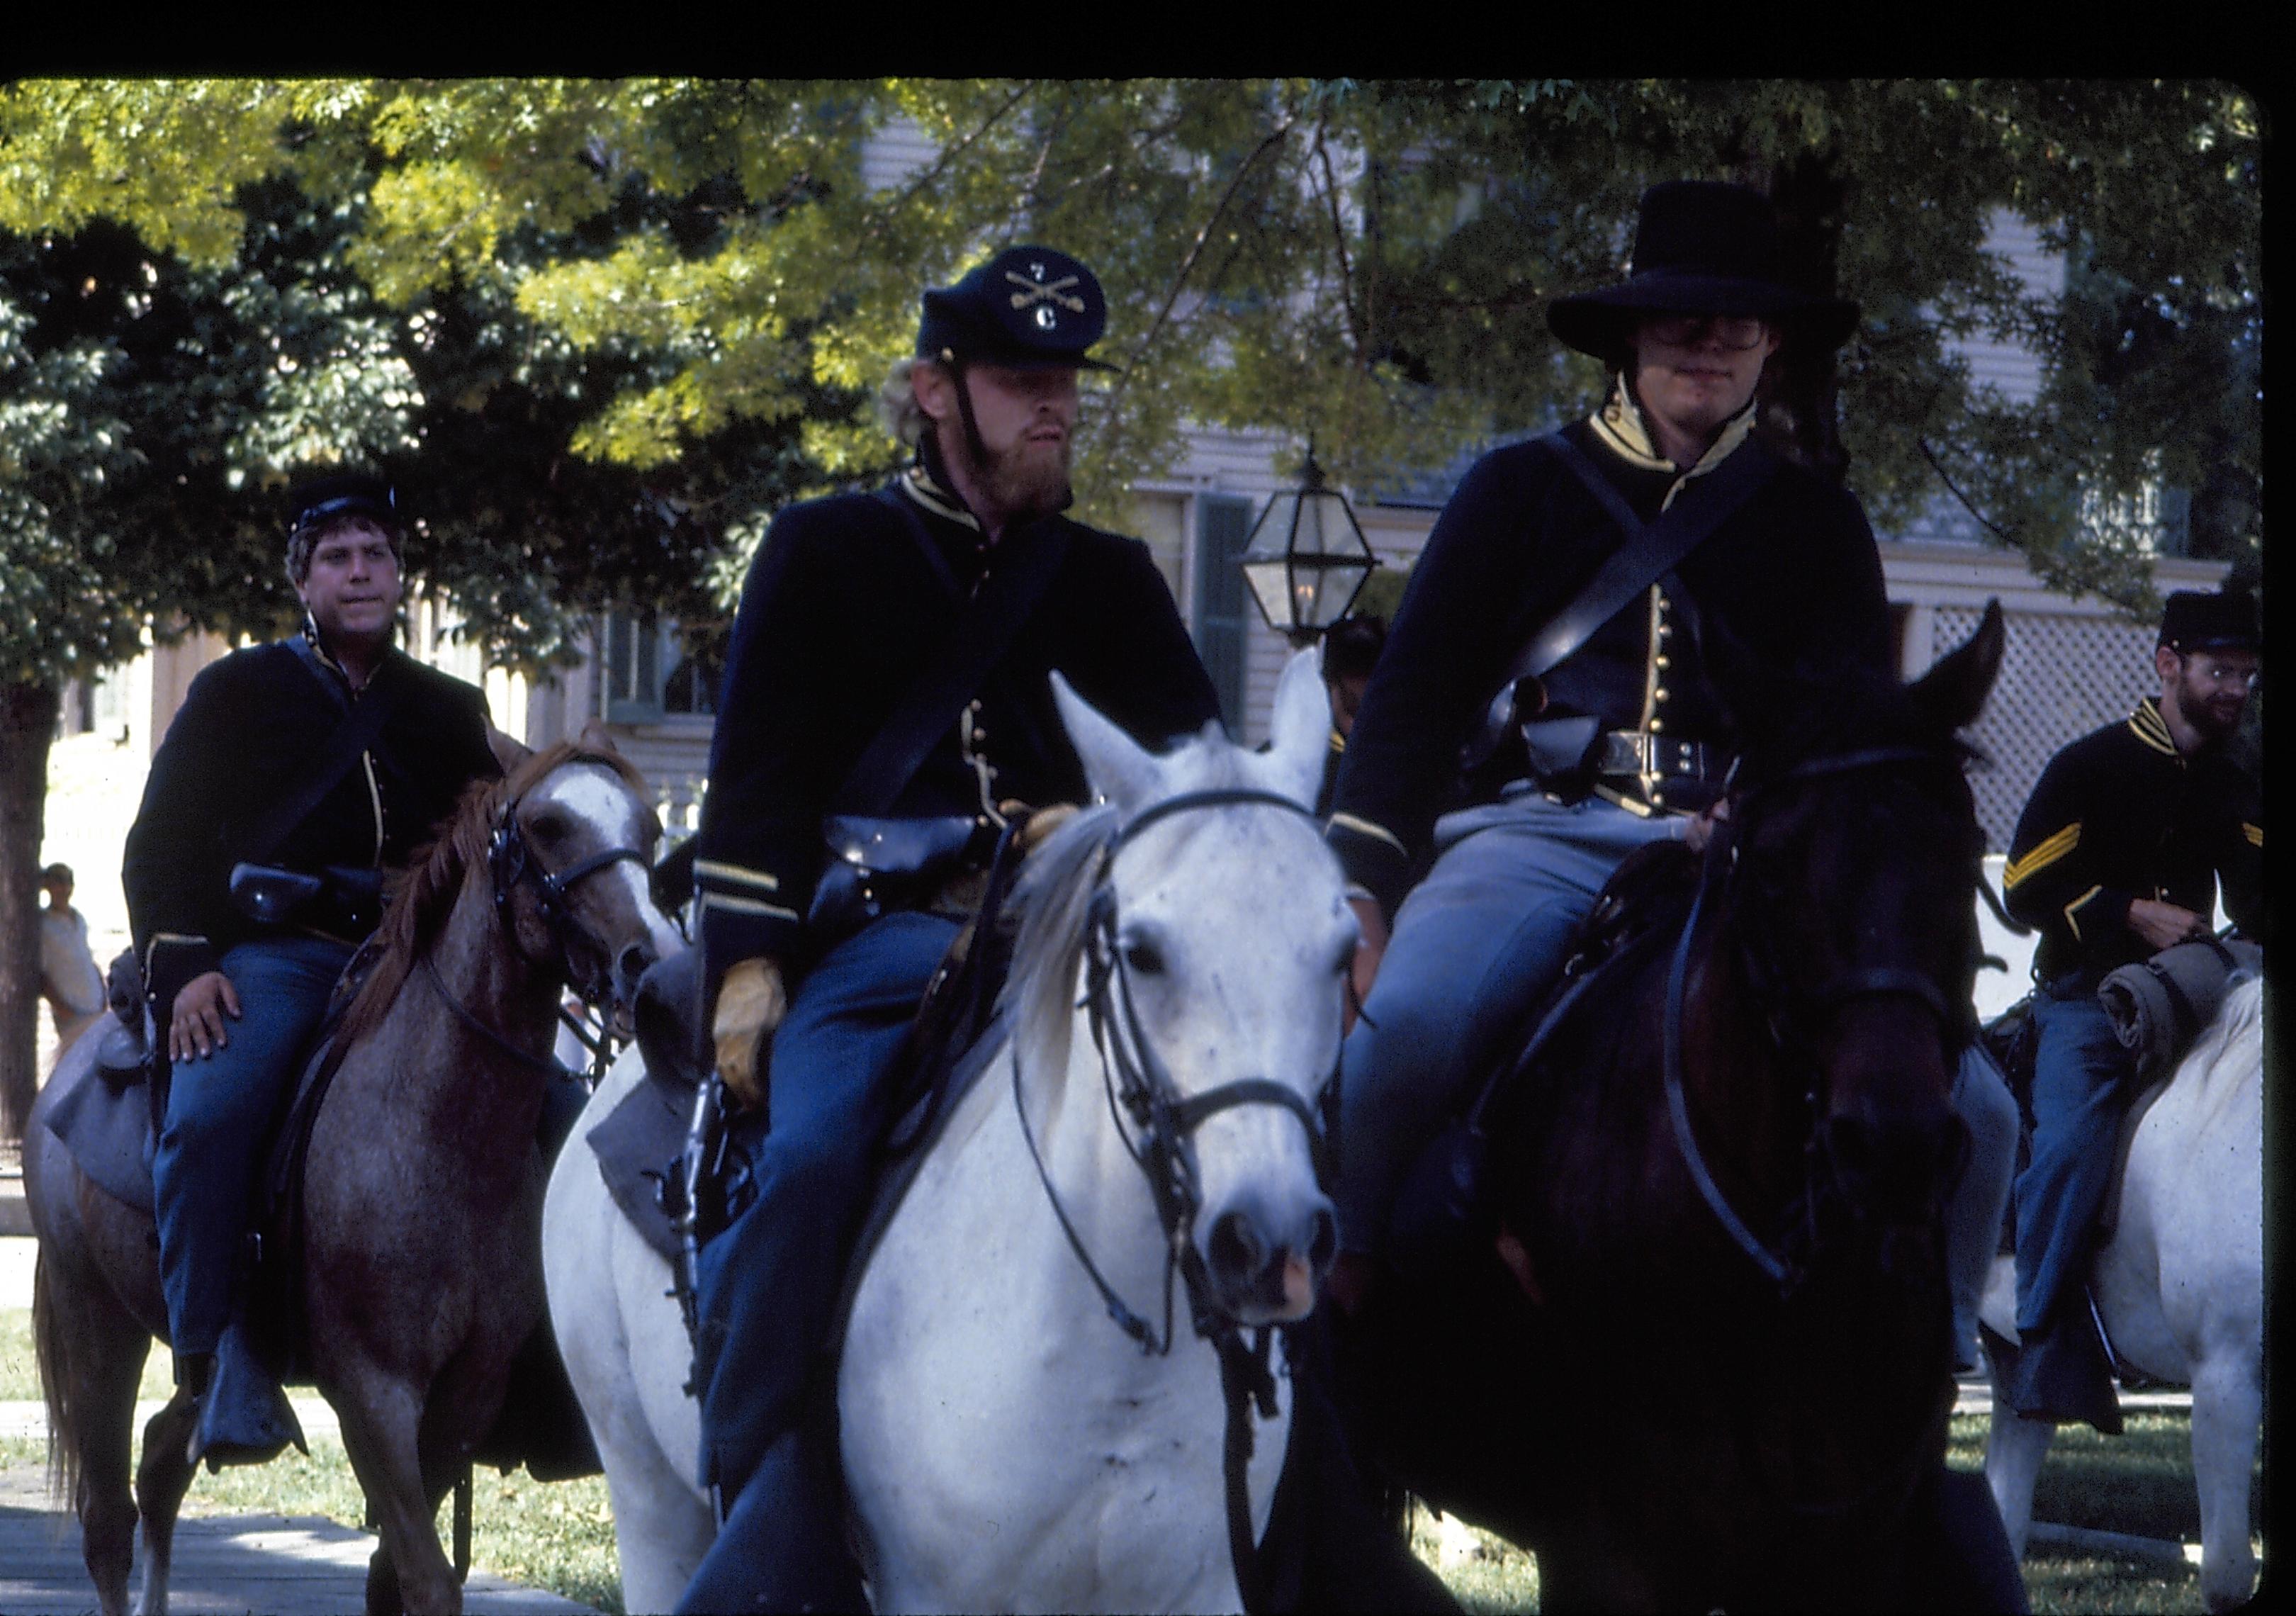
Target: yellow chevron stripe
[747, 905]
[2149, 726]
[711, 870]
[2042, 854]
[2076, 904]
[1364, 827]
[2254, 832]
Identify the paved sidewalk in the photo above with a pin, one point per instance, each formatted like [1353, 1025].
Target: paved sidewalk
[280, 1564]
[288, 1566]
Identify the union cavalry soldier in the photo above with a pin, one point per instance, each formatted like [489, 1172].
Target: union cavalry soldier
[330, 755]
[890, 669]
[1612, 721]
[2129, 836]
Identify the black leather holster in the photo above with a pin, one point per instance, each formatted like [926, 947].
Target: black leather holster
[878, 865]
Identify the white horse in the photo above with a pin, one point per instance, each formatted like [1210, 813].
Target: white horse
[2180, 1285]
[1006, 1445]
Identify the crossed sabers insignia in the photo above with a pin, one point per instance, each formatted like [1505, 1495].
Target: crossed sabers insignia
[1034, 292]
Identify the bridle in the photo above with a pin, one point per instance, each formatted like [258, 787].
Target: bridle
[512, 863]
[1719, 869]
[1139, 1087]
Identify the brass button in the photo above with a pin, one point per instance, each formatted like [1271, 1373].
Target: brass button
[1661, 662]
[1664, 631]
[1659, 695]
[1656, 725]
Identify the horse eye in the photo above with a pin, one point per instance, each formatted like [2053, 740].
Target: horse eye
[1144, 957]
[549, 827]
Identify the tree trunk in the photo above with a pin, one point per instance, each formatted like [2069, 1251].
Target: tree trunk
[1799, 417]
[28, 726]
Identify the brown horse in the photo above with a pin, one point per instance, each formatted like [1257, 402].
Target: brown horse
[421, 1263]
[1701, 1358]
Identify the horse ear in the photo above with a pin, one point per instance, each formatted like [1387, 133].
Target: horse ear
[1119, 767]
[1299, 729]
[1951, 694]
[509, 753]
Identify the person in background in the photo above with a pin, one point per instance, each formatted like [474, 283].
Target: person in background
[1351, 648]
[69, 977]
[2129, 836]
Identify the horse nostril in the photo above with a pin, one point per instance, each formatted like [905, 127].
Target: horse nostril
[1236, 1250]
[635, 960]
[1323, 1241]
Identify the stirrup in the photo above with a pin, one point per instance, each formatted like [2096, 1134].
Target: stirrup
[244, 1416]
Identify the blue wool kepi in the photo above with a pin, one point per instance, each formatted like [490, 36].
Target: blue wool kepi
[2192, 621]
[1027, 308]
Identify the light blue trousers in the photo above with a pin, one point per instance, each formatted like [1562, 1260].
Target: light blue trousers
[1474, 944]
[1480, 939]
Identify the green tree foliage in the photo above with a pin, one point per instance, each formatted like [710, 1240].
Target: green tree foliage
[602, 329]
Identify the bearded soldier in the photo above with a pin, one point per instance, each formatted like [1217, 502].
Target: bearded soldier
[891, 662]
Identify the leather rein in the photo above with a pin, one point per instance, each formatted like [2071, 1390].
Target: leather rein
[1829, 996]
[1139, 1086]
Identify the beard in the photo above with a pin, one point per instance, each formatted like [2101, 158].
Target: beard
[1027, 481]
[2214, 715]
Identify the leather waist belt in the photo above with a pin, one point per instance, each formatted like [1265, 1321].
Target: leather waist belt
[1635, 752]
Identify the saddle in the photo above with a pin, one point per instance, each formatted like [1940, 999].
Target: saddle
[645, 1145]
[2159, 1008]
[109, 1127]
[1445, 1203]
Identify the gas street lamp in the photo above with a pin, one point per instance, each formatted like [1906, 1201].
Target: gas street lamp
[1306, 567]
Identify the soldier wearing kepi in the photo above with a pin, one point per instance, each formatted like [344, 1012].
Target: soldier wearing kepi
[2123, 849]
[890, 659]
[330, 756]
[1622, 736]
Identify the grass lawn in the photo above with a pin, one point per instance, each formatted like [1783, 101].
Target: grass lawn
[560, 1536]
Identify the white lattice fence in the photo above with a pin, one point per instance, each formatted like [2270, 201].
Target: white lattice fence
[2060, 677]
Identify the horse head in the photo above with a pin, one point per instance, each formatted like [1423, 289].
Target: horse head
[1849, 877]
[570, 850]
[1208, 921]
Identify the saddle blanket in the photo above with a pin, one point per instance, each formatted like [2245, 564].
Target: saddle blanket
[107, 1130]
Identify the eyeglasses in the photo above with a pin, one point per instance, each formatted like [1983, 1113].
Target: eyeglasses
[1681, 331]
[2221, 673]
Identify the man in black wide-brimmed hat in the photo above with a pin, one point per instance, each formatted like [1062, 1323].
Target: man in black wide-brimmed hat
[1619, 732]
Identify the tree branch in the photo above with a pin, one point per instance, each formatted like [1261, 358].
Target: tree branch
[1954, 488]
[940, 164]
[1339, 241]
[1276, 137]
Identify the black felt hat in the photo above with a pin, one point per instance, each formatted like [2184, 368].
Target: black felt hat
[1029, 307]
[324, 499]
[1702, 247]
[2192, 621]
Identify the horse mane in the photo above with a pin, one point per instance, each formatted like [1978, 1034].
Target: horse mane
[1054, 897]
[1844, 715]
[436, 874]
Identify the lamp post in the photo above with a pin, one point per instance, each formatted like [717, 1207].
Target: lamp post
[1306, 570]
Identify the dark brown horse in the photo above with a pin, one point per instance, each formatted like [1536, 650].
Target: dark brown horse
[421, 1273]
[1705, 1361]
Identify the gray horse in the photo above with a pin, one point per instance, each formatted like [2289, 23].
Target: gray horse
[419, 1273]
